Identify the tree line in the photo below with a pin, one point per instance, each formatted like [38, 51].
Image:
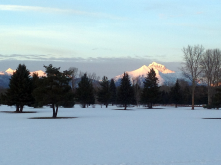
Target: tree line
[59, 89]
[66, 88]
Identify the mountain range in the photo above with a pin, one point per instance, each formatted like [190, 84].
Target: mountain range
[164, 75]
[6, 75]
[10, 71]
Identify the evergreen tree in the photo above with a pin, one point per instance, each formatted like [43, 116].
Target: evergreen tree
[150, 91]
[216, 99]
[54, 89]
[35, 81]
[125, 95]
[164, 97]
[113, 92]
[104, 92]
[20, 89]
[176, 93]
[84, 92]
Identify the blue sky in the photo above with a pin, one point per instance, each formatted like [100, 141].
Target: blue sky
[105, 32]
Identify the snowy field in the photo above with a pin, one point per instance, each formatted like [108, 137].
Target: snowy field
[100, 136]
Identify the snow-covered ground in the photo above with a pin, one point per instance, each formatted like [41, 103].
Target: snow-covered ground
[100, 136]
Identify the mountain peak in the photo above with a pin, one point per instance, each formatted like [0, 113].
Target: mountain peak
[163, 74]
[160, 68]
[156, 64]
[10, 71]
[144, 67]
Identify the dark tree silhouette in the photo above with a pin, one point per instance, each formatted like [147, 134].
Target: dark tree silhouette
[150, 93]
[217, 98]
[20, 89]
[176, 93]
[103, 95]
[125, 95]
[54, 89]
[164, 97]
[113, 92]
[85, 91]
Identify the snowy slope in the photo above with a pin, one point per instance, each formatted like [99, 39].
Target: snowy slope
[164, 75]
[100, 136]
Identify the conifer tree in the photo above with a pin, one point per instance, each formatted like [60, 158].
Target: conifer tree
[176, 93]
[125, 95]
[35, 82]
[150, 91]
[217, 98]
[164, 97]
[54, 89]
[104, 92]
[20, 89]
[85, 92]
[113, 92]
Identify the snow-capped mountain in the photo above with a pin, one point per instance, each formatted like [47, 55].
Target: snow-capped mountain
[6, 75]
[39, 72]
[10, 72]
[164, 75]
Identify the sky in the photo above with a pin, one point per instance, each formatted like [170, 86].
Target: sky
[107, 37]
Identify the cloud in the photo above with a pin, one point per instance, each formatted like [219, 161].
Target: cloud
[56, 10]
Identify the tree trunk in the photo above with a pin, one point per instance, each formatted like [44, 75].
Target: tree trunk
[83, 105]
[21, 108]
[106, 105]
[150, 105]
[54, 113]
[175, 105]
[125, 106]
[193, 99]
[17, 108]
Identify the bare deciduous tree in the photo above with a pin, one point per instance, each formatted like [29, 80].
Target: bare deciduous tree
[81, 74]
[208, 66]
[74, 72]
[93, 76]
[211, 70]
[191, 67]
[217, 63]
